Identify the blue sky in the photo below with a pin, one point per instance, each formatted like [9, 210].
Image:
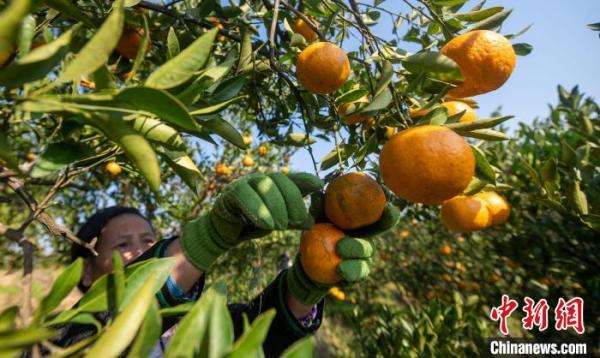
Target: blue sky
[565, 51]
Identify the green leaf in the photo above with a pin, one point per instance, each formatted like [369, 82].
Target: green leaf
[250, 343]
[61, 287]
[550, 176]
[331, 159]
[26, 34]
[478, 15]
[161, 103]
[577, 199]
[194, 324]
[246, 51]
[475, 186]
[103, 79]
[215, 107]
[384, 80]
[122, 331]
[135, 146]
[522, 49]
[567, 154]
[185, 168]
[142, 50]
[7, 153]
[300, 349]
[117, 279]
[38, 62]
[483, 168]
[7, 318]
[10, 23]
[229, 88]
[351, 96]
[156, 131]
[22, 338]
[172, 44]
[182, 67]
[149, 333]
[131, 3]
[380, 102]
[224, 130]
[98, 297]
[58, 156]
[479, 124]
[438, 116]
[485, 134]
[435, 65]
[97, 50]
[513, 36]
[448, 2]
[492, 22]
[69, 9]
[220, 328]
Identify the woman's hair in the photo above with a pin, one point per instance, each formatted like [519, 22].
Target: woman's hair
[94, 224]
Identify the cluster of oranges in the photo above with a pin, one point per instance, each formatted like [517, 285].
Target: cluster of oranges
[351, 201]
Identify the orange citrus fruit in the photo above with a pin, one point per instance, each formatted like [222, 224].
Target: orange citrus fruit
[352, 107]
[455, 107]
[427, 164]
[285, 170]
[216, 23]
[498, 206]
[354, 200]
[446, 250]
[248, 139]
[300, 27]
[130, 42]
[247, 161]
[336, 293]
[262, 150]
[465, 213]
[318, 253]
[30, 157]
[113, 168]
[322, 68]
[486, 60]
[220, 169]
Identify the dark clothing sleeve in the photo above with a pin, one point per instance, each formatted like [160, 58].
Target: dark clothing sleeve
[284, 331]
[285, 328]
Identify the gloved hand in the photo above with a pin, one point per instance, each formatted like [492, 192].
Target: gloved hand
[355, 250]
[250, 207]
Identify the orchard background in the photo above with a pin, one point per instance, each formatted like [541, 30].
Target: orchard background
[215, 96]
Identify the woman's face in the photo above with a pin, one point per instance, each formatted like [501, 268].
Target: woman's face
[128, 234]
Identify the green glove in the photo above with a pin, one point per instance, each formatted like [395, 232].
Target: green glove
[356, 258]
[250, 207]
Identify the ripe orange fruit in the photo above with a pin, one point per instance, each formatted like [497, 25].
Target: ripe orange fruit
[30, 157]
[247, 139]
[486, 60]
[455, 107]
[498, 206]
[113, 168]
[404, 234]
[216, 23]
[418, 112]
[262, 150]
[285, 170]
[427, 164]
[465, 213]
[354, 200]
[322, 68]
[337, 294]
[446, 250]
[352, 106]
[300, 27]
[318, 253]
[220, 169]
[247, 161]
[130, 41]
